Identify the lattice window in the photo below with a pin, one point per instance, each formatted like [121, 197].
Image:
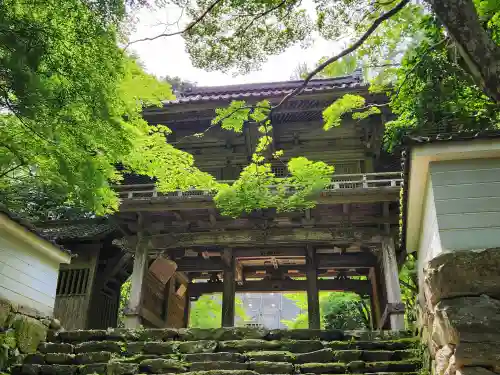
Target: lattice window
[279, 170]
[72, 282]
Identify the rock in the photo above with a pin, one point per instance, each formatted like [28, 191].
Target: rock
[248, 345]
[55, 324]
[94, 357]
[94, 368]
[403, 366]
[356, 367]
[215, 357]
[160, 347]
[157, 334]
[48, 347]
[220, 365]
[34, 359]
[300, 346]
[126, 334]
[375, 335]
[463, 273]
[159, 366]
[4, 312]
[83, 335]
[471, 319]
[264, 367]
[340, 345]
[29, 333]
[58, 370]
[323, 368]
[346, 356]
[201, 346]
[132, 348]
[121, 368]
[25, 369]
[474, 371]
[222, 334]
[306, 334]
[98, 346]
[442, 359]
[452, 367]
[271, 356]
[322, 355]
[8, 339]
[59, 358]
[477, 354]
[222, 372]
[376, 356]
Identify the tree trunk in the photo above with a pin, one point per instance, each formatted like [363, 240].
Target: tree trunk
[480, 52]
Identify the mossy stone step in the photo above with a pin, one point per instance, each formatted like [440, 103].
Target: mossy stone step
[389, 345]
[215, 357]
[322, 355]
[222, 372]
[270, 356]
[323, 368]
[158, 366]
[248, 345]
[219, 365]
[266, 367]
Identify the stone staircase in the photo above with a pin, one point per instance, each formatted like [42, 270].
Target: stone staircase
[224, 351]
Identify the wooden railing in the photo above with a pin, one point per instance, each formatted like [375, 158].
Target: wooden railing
[339, 183]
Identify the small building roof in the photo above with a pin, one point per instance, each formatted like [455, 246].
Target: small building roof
[409, 143]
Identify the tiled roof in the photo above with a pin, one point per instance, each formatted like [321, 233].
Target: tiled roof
[74, 230]
[265, 90]
[408, 143]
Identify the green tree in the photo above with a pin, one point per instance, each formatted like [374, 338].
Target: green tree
[206, 312]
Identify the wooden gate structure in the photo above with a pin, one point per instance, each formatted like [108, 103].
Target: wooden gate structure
[345, 243]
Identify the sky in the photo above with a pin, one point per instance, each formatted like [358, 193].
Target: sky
[167, 56]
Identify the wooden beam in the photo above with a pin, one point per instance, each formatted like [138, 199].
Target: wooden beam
[312, 288]
[273, 236]
[187, 307]
[229, 289]
[324, 261]
[375, 299]
[391, 276]
[357, 286]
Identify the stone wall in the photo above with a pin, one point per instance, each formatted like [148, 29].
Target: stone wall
[461, 312]
[21, 331]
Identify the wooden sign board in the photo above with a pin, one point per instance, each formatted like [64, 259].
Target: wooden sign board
[163, 269]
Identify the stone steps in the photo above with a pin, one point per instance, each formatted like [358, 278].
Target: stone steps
[235, 351]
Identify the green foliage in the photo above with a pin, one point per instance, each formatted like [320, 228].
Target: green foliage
[72, 123]
[339, 310]
[124, 297]
[206, 312]
[332, 115]
[408, 278]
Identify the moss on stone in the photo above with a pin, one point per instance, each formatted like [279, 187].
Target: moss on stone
[222, 372]
[4, 313]
[8, 339]
[348, 355]
[323, 368]
[29, 333]
[272, 356]
[121, 368]
[200, 346]
[248, 345]
[159, 347]
[160, 365]
[221, 356]
[322, 355]
[49, 347]
[94, 357]
[98, 346]
[300, 346]
[94, 368]
[219, 365]
[266, 367]
[59, 358]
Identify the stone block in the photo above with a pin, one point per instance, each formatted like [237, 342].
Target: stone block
[160, 347]
[132, 348]
[215, 357]
[356, 367]
[222, 372]
[83, 335]
[94, 357]
[58, 369]
[201, 346]
[271, 356]
[463, 273]
[157, 334]
[94, 368]
[219, 365]
[29, 333]
[222, 334]
[306, 334]
[300, 346]
[161, 366]
[121, 368]
[26, 369]
[471, 319]
[322, 355]
[474, 371]
[323, 368]
[49, 347]
[34, 359]
[248, 345]
[98, 346]
[264, 367]
[59, 358]
[442, 359]
[118, 334]
[477, 354]
[346, 356]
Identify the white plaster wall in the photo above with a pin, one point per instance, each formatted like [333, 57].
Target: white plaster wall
[430, 242]
[27, 276]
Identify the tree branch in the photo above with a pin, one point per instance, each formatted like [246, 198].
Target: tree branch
[186, 29]
[259, 16]
[345, 52]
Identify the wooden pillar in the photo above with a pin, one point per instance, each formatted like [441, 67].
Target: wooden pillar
[375, 299]
[229, 289]
[132, 315]
[312, 289]
[187, 308]
[393, 289]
